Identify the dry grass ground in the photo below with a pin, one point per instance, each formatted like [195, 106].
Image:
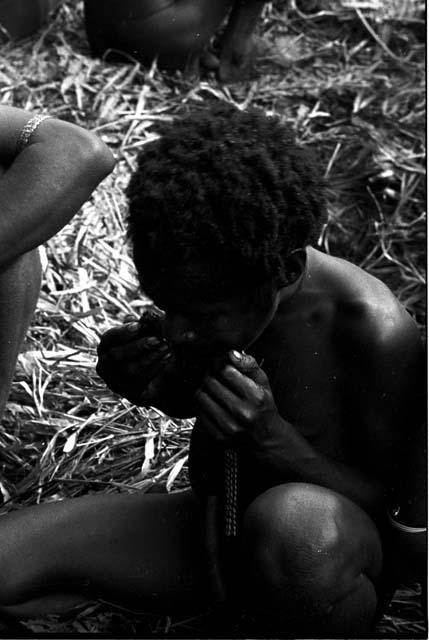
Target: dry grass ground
[350, 78]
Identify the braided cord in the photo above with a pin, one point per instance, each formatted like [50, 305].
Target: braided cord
[231, 491]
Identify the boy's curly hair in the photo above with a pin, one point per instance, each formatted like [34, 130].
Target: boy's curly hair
[219, 202]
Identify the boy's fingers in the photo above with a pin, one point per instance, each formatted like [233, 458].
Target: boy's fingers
[151, 320]
[215, 414]
[231, 402]
[219, 393]
[239, 383]
[243, 361]
[146, 325]
[130, 372]
[247, 365]
[141, 373]
[131, 379]
[144, 347]
[119, 335]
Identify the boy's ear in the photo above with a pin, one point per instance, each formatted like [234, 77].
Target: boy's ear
[294, 265]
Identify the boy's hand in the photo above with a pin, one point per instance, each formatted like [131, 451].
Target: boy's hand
[131, 356]
[236, 404]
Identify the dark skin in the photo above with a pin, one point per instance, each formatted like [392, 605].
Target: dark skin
[178, 32]
[324, 333]
[60, 166]
[316, 407]
[56, 182]
[41, 188]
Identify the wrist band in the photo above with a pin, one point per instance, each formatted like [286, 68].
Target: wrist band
[28, 130]
[404, 527]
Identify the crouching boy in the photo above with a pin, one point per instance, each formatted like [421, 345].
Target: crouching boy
[303, 372]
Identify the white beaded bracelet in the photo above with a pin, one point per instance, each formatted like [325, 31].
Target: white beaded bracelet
[28, 130]
[404, 527]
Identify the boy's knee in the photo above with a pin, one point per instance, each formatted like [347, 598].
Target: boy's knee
[291, 529]
[300, 537]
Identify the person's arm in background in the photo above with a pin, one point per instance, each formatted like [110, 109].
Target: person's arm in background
[45, 184]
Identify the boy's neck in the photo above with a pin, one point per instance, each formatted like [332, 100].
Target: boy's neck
[290, 290]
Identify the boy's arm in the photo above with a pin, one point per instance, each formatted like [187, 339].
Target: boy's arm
[390, 392]
[279, 452]
[390, 377]
[44, 185]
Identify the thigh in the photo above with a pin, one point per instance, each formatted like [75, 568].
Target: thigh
[173, 30]
[186, 27]
[118, 23]
[106, 17]
[142, 549]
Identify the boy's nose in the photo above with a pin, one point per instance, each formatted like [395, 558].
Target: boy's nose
[178, 330]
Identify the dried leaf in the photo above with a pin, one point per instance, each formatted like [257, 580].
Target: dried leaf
[175, 472]
[5, 493]
[70, 443]
[149, 454]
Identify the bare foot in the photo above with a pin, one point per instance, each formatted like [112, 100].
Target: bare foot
[207, 60]
[236, 60]
[192, 67]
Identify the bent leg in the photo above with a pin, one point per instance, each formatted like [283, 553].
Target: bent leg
[314, 559]
[55, 604]
[179, 34]
[175, 33]
[19, 291]
[105, 22]
[142, 550]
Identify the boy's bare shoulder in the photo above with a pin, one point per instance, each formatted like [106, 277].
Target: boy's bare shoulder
[380, 347]
[381, 350]
[364, 308]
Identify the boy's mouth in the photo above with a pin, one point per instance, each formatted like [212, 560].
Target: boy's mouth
[192, 372]
[192, 360]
